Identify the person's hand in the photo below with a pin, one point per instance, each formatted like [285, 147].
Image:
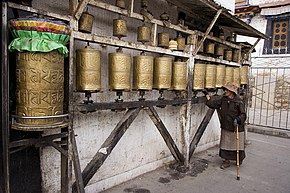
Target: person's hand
[237, 121]
[207, 97]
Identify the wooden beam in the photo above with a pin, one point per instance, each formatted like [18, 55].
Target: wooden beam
[80, 9]
[200, 131]
[216, 60]
[108, 146]
[165, 134]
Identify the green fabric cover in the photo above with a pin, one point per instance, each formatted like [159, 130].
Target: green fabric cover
[34, 41]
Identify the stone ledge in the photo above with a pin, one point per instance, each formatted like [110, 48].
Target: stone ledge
[269, 131]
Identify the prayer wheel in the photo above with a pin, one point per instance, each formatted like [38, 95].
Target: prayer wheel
[236, 76]
[172, 45]
[88, 69]
[229, 77]
[190, 40]
[120, 3]
[236, 55]
[219, 50]
[163, 40]
[86, 22]
[143, 34]
[209, 48]
[143, 72]
[162, 73]
[244, 74]
[199, 76]
[119, 71]
[39, 86]
[120, 28]
[228, 55]
[180, 43]
[179, 76]
[210, 76]
[220, 75]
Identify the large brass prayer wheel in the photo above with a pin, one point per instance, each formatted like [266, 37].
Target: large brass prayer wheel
[86, 22]
[190, 40]
[210, 76]
[219, 50]
[220, 75]
[39, 86]
[179, 76]
[88, 69]
[143, 34]
[209, 48]
[236, 55]
[244, 74]
[228, 55]
[236, 76]
[119, 71]
[162, 73]
[163, 40]
[199, 76]
[143, 72]
[229, 77]
[180, 43]
[120, 28]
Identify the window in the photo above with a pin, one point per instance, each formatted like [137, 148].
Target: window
[280, 34]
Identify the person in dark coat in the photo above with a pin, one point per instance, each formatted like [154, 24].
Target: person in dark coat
[231, 111]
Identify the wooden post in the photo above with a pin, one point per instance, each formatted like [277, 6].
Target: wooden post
[200, 131]
[108, 146]
[165, 134]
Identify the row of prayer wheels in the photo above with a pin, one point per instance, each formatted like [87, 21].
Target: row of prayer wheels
[159, 73]
[220, 50]
[211, 76]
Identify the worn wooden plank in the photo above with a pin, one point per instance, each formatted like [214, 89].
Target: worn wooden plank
[107, 147]
[165, 134]
[64, 164]
[216, 60]
[200, 131]
[80, 8]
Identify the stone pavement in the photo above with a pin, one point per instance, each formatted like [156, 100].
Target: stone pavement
[266, 169]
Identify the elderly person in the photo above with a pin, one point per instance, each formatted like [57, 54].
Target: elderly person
[231, 112]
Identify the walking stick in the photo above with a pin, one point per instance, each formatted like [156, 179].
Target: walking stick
[238, 157]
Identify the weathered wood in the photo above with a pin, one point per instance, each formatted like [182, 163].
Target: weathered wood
[80, 8]
[200, 131]
[64, 164]
[165, 134]
[107, 147]
[216, 60]
[77, 167]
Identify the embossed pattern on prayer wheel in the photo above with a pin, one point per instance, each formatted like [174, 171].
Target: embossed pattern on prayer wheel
[88, 69]
[209, 48]
[86, 22]
[244, 74]
[220, 75]
[39, 86]
[143, 73]
[228, 55]
[219, 50]
[163, 40]
[119, 71]
[236, 55]
[229, 74]
[120, 28]
[179, 76]
[199, 76]
[162, 73]
[180, 43]
[210, 75]
[236, 76]
[143, 34]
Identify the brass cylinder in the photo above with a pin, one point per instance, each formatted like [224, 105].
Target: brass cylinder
[228, 55]
[86, 22]
[120, 28]
[39, 86]
[119, 71]
[179, 76]
[236, 76]
[190, 40]
[163, 40]
[209, 48]
[162, 73]
[236, 55]
[244, 74]
[172, 45]
[180, 43]
[198, 76]
[210, 75]
[143, 73]
[88, 69]
[120, 3]
[143, 34]
[220, 76]
[219, 50]
[229, 77]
